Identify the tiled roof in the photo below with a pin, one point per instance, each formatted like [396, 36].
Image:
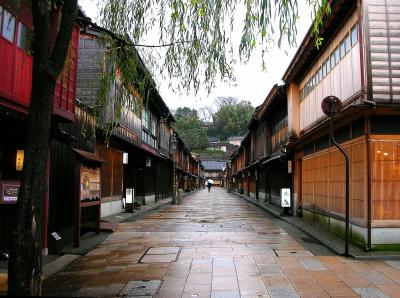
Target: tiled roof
[214, 165]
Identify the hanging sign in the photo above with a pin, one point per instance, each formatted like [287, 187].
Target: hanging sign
[285, 197]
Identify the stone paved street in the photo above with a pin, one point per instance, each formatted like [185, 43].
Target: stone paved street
[216, 245]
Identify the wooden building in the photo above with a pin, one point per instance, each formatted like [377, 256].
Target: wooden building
[137, 153]
[15, 90]
[214, 170]
[188, 167]
[258, 169]
[359, 62]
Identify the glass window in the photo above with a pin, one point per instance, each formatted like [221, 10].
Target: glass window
[328, 65]
[347, 43]
[23, 37]
[8, 27]
[1, 16]
[324, 69]
[342, 49]
[320, 74]
[332, 60]
[337, 55]
[145, 119]
[354, 35]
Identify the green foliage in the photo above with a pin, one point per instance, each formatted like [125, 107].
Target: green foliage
[198, 33]
[231, 119]
[189, 127]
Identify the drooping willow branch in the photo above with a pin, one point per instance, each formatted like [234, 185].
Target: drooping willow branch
[87, 21]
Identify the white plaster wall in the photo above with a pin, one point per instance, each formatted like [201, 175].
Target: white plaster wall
[110, 208]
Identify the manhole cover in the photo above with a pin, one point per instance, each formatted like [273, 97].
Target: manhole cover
[140, 288]
[165, 254]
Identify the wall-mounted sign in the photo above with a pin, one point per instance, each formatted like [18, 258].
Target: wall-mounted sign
[129, 195]
[9, 192]
[125, 158]
[148, 162]
[56, 236]
[90, 184]
[19, 161]
[285, 197]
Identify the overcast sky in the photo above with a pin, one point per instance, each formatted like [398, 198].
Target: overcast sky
[252, 84]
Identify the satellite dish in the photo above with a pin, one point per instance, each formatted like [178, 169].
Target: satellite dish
[331, 105]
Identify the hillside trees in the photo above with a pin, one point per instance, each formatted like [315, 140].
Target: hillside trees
[231, 119]
[189, 126]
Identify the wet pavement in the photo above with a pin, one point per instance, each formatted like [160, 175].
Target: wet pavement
[217, 245]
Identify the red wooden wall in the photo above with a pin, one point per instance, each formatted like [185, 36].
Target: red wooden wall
[16, 73]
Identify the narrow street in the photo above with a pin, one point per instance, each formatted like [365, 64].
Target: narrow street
[217, 245]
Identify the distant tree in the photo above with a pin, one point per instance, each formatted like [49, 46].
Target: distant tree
[206, 114]
[186, 114]
[232, 118]
[225, 101]
[189, 126]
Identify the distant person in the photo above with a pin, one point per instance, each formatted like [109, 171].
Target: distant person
[209, 185]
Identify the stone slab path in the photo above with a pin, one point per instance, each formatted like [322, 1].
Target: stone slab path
[216, 245]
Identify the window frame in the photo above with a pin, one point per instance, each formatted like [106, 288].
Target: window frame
[2, 26]
[342, 47]
[347, 43]
[1, 19]
[354, 29]
[22, 25]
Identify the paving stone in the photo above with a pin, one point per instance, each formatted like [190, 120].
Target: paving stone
[283, 293]
[270, 269]
[163, 250]
[395, 264]
[312, 264]
[294, 253]
[370, 293]
[225, 294]
[377, 278]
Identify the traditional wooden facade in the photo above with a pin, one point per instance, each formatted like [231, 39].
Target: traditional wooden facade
[137, 154]
[189, 173]
[359, 63]
[15, 90]
[214, 170]
[258, 168]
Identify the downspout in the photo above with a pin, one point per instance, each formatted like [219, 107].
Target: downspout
[365, 98]
[369, 184]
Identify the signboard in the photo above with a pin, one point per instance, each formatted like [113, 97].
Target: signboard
[285, 197]
[56, 236]
[90, 184]
[148, 162]
[125, 158]
[129, 196]
[9, 192]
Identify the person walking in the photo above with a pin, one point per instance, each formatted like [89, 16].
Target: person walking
[209, 185]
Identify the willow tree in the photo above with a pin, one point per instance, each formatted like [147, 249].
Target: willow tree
[197, 36]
